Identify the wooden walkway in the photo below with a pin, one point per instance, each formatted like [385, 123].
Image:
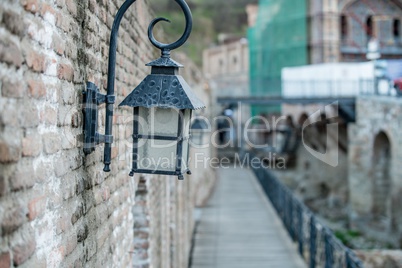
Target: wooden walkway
[239, 228]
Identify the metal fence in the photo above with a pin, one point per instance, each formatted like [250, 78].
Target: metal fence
[316, 243]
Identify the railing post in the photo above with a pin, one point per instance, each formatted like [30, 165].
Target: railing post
[301, 235]
[328, 250]
[291, 217]
[282, 204]
[347, 260]
[313, 236]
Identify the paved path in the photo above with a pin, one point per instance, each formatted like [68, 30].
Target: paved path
[240, 229]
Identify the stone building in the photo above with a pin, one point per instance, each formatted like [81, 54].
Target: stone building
[374, 175]
[226, 65]
[339, 30]
[57, 207]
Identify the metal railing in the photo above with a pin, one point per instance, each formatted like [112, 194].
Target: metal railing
[316, 243]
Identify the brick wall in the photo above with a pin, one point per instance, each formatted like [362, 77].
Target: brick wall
[57, 207]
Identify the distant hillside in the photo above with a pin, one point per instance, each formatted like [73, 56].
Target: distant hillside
[210, 17]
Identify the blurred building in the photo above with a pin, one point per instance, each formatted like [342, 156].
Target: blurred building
[339, 30]
[294, 33]
[226, 66]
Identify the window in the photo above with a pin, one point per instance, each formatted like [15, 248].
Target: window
[344, 27]
[397, 28]
[369, 27]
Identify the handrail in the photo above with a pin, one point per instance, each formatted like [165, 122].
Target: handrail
[316, 243]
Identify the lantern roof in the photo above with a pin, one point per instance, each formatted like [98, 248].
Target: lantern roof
[165, 62]
[165, 91]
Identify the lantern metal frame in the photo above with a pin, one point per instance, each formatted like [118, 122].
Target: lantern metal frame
[164, 66]
[179, 138]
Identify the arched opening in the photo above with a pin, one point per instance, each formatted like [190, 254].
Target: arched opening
[397, 28]
[381, 191]
[344, 27]
[369, 27]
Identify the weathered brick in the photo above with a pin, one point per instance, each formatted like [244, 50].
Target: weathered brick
[9, 115]
[69, 185]
[22, 178]
[68, 94]
[30, 115]
[13, 218]
[35, 261]
[101, 236]
[64, 23]
[9, 153]
[36, 207]
[79, 211]
[14, 23]
[72, 7]
[71, 243]
[37, 88]
[10, 53]
[43, 171]
[62, 166]
[65, 72]
[5, 260]
[31, 144]
[58, 44]
[23, 250]
[12, 89]
[60, 3]
[90, 247]
[36, 61]
[48, 116]
[51, 142]
[82, 233]
[47, 12]
[31, 5]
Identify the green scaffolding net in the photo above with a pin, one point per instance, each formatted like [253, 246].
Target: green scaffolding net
[278, 39]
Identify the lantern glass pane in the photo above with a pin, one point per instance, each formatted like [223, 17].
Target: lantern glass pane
[186, 136]
[184, 165]
[158, 121]
[186, 123]
[157, 155]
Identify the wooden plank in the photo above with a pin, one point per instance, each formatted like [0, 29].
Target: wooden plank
[239, 228]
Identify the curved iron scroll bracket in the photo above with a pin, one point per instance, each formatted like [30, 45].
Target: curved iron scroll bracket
[92, 97]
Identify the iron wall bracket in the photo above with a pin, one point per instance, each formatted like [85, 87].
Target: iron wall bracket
[92, 97]
[92, 100]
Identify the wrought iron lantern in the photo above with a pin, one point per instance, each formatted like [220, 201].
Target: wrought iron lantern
[162, 105]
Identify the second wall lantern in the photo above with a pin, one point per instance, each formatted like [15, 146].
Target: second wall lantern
[162, 105]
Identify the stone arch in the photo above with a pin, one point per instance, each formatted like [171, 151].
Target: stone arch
[345, 4]
[382, 183]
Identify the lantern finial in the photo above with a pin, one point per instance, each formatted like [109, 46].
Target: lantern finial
[166, 48]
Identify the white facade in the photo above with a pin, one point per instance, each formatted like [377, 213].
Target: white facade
[328, 80]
